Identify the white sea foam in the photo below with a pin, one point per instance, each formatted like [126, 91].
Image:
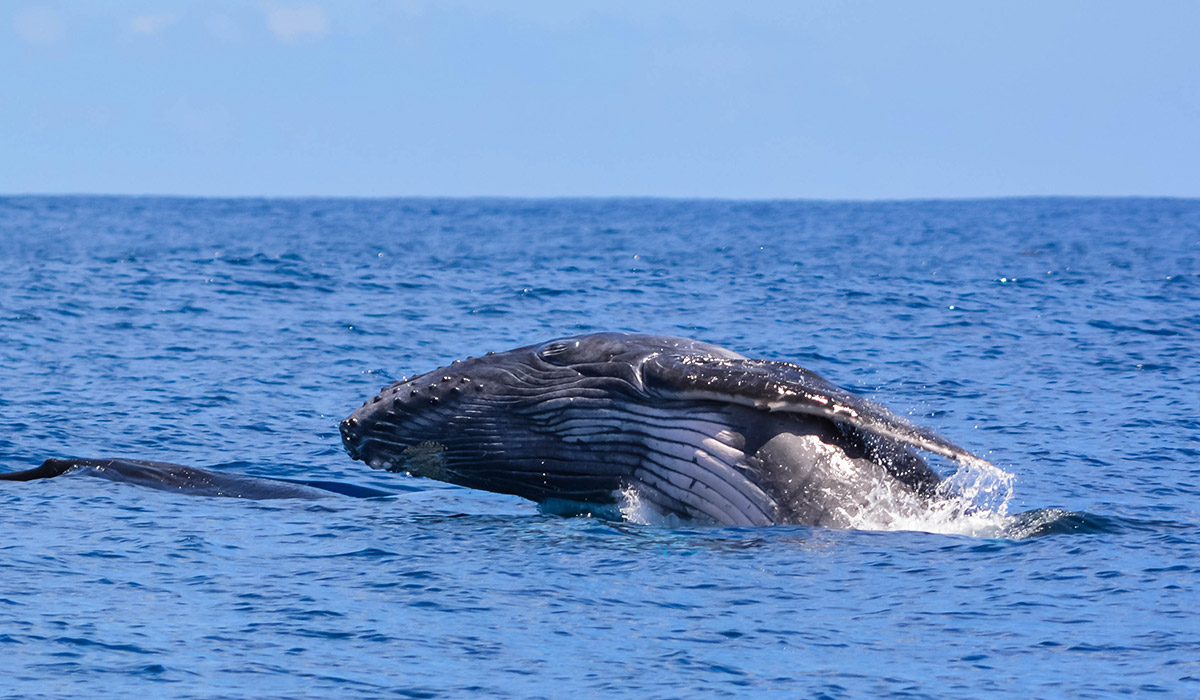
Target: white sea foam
[635, 509]
[972, 501]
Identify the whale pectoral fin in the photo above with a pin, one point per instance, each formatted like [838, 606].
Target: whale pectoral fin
[783, 387]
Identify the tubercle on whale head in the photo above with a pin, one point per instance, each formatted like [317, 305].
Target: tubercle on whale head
[436, 406]
[386, 430]
[392, 405]
[349, 430]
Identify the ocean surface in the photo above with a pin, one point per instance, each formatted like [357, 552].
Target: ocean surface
[1057, 338]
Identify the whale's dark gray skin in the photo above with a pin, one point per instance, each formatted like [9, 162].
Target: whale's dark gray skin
[191, 480]
[688, 428]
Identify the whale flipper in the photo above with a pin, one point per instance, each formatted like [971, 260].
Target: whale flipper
[783, 387]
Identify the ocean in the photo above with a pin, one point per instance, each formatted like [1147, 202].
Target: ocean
[1057, 338]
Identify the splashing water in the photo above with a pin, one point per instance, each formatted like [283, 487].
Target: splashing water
[973, 501]
[981, 483]
[638, 511]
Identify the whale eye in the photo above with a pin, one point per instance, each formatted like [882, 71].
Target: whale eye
[556, 353]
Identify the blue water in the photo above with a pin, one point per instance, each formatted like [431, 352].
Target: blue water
[1058, 338]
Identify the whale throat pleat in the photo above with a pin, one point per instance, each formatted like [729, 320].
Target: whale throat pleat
[681, 460]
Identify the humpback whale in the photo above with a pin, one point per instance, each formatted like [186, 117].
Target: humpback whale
[619, 425]
[678, 426]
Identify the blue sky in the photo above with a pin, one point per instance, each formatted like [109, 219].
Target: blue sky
[862, 100]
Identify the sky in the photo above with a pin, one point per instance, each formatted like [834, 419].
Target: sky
[811, 100]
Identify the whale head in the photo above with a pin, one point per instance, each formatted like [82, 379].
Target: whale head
[509, 421]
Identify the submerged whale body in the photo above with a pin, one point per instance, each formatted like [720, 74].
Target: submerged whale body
[194, 481]
[677, 426]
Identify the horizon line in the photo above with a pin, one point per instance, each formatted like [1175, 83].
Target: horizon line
[599, 197]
